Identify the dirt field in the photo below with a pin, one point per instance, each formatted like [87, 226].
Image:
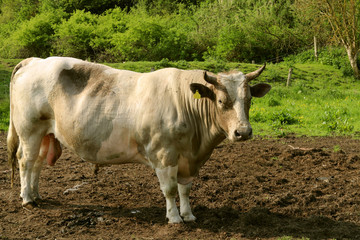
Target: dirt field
[260, 189]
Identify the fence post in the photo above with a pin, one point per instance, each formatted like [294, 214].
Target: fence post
[315, 49]
[289, 77]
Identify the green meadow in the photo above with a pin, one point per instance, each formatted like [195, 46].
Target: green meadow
[320, 101]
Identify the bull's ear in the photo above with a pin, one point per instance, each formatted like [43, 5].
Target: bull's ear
[202, 90]
[260, 89]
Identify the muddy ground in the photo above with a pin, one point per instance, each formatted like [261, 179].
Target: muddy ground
[259, 189]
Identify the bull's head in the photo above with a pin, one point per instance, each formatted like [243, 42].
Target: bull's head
[232, 93]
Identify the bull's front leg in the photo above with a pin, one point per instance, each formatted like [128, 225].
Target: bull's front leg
[168, 183]
[185, 209]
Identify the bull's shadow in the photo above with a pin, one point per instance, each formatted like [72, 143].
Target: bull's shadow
[256, 223]
[260, 222]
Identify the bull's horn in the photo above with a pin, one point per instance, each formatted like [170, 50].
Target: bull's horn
[210, 79]
[255, 74]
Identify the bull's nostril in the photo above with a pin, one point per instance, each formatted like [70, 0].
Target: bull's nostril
[237, 134]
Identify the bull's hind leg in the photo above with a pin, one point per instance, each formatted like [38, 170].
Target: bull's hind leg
[44, 148]
[35, 179]
[168, 183]
[185, 209]
[28, 163]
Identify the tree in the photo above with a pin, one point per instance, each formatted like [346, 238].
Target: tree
[343, 17]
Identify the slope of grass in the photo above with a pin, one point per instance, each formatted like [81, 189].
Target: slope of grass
[320, 101]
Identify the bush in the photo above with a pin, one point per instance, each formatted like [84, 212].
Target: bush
[150, 38]
[258, 116]
[336, 120]
[303, 57]
[147, 30]
[164, 63]
[283, 117]
[110, 23]
[182, 64]
[75, 35]
[33, 37]
[273, 102]
[231, 44]
[338, 58]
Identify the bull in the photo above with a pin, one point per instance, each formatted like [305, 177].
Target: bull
[170, 120]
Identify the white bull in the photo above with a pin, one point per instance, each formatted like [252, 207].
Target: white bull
[169, 119]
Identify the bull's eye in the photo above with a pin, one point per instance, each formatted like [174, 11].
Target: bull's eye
[220, 101]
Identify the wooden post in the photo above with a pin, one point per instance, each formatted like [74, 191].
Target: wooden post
[315, 49]
[289, 77]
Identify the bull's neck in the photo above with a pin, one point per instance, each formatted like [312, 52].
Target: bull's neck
[202, 114]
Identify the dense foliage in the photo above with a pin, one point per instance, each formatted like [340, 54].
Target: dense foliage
[133, 30]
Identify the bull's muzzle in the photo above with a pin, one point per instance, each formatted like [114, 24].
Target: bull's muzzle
[242, 134]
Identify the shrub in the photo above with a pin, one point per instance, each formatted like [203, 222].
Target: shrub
[283, 117]
[231, 44]
[303, 57]
[273, 102]
[257, 116]
[151, 38]
[164, 63]
[182, 64]
[75, 34]
[110, 23]
[336, 120]
[33, 37]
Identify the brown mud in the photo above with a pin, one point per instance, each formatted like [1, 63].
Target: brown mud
[259, 189]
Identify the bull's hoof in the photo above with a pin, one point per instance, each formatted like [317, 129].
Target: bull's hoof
[38, 201]
[29, 206]
[189, 218]
[175, 219]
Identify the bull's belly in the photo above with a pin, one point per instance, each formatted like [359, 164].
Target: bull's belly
[119, 148]
[119, 153]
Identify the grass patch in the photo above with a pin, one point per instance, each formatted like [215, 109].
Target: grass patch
[4, 114]
[319, 102]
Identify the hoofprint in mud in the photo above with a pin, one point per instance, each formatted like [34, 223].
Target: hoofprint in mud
[109, 116]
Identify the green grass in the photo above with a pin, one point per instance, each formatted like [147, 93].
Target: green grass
[319, 102]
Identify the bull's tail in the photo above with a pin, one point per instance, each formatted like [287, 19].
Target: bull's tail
[12, 137]
[12, 148]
